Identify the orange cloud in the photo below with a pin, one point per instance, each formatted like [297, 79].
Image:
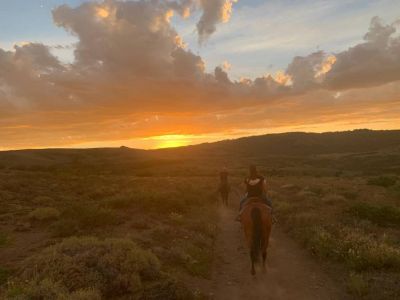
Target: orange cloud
[102, 12]
[325, 66]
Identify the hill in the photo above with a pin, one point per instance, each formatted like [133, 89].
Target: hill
[332, 151]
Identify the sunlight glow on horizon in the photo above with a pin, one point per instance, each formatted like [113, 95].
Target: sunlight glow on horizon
[164, 74]
[172, 140]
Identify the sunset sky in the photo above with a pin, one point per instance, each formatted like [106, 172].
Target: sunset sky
[165, 73]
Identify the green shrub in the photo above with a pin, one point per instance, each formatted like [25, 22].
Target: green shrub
[333, 199]
[163, 202]
[47, 289]
[383, 215]
[200, 262]
[357, 285]
[65, 228]
[4, 274]
[90, 217]
[349, 195]
[167, 289]
[320, 241]
[176, 218]
[85, 294]
[385, 181]
[396, 190]
[366, 254]
[43, 200]
[3, 239]
[44, 214]
[113, 267]
[119, 202]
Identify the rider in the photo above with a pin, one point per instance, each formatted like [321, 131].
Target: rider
[223, 175]
[256, 186]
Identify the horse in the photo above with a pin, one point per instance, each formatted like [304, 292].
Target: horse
[224, 190]
[256, 219]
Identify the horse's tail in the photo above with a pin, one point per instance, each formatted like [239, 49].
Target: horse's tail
[257, 235]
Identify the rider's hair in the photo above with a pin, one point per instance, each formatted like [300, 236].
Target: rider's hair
[253, 171]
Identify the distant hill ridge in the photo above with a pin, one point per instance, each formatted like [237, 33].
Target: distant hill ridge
[293, 144]
[301, 143]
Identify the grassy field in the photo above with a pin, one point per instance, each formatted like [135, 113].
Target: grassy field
[67, 236]
[131, 224]
[349, 222]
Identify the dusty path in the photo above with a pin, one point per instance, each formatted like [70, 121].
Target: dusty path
[291, 273]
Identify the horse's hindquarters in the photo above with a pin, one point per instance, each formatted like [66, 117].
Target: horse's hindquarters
[256, 219]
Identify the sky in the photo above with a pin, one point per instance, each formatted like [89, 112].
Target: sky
[165, 73]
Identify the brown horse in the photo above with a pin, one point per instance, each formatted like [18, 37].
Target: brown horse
[224, 190]
[256, 219]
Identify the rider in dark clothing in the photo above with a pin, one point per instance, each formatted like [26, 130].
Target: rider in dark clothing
[256, 186]
[223, 175]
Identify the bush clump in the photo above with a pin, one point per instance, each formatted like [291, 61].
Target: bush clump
[90, 217]
[382, 215]
[3, 239]
[110, 268]
[65, 228]
[385, 181]
[46, 289]
[119, 202]
[44, 214]
[357, 285]
[4, 274]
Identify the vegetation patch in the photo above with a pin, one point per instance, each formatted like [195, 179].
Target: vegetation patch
[361, 237]
[44, 214]
[4, 274]
[357, 285]
[110, 268]
[90, 216]
[385, 181]
[119, 202]
[65, 228]
[3, 239]
[382, 215]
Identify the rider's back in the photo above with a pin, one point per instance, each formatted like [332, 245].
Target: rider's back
[254, 186]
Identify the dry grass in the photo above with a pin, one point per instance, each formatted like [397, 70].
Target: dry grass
[44, 214]
[362, 237]
[343, 207]
[141, 212]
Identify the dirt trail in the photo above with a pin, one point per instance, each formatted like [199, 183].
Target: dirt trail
[291, 273]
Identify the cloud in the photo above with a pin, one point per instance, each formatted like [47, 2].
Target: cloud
[214, 12]
[131, 64]
[373, 62]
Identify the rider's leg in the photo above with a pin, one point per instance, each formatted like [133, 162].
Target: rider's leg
[242, 202]
[244, 199]
[267, 200]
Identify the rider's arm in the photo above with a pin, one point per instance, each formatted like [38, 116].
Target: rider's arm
[265, 186]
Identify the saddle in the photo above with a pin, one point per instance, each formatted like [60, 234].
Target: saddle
[258, 200]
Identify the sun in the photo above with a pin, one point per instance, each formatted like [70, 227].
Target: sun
[172, 144]
[171, 140]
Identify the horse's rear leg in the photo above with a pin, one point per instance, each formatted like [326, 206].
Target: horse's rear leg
[253, 270]
[264, 258]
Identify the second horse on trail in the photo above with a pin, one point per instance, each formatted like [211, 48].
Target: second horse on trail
[224, 187]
